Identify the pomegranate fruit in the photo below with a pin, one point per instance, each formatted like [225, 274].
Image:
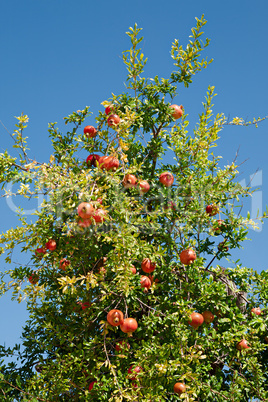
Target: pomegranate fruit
[218, 229]
[85, 210]
[196, 320]
[177, 111]
[223, 247]
[208, 316]
[212, 209]
[144, 186]
[166, 178]
[145, 283]
[242, 345]
[108, 163]
[90, 131]
[134, 372]
[84, 223]
[129, 326]
[115, 317]
[99, 215]
[148, 266]
[40, 251]
[129, 181]
[51, 245]
[122, 346]
[85, 305]
[64, 263]
[133, 269]
[91, 385]
[113, 120]
[109, 109]
[256, 311]
[92, 159]
[33, 278]
[179, 388]
[187, 256]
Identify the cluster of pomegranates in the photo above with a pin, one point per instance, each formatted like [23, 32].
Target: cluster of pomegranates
[148, 267]
[111, 163]
[89, 214]
[197, 319]
[127, 325]
[50, 245]
[113, 119]
[212, 210]
[39, 252]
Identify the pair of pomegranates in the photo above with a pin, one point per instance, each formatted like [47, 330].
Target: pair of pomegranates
[128, 325]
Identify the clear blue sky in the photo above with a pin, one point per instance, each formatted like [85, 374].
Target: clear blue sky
[58, 56]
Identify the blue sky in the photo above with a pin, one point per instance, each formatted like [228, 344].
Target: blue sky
[58, 56]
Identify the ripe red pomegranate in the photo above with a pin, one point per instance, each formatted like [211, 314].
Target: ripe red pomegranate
[145, 283]
[177, 111]
[85, 210]
[129, 181]
[33, 279]
[51, 245]
[196, 320]
[84, 223]
[129, 326]
[133, 269]
[179, 388]
[92, 159]
[218, 229]
[109, 109]
[256, 311]
[85, 305]
[99, 215]
[134, 372]
[144, 186]
[122, 346]
[113, 120]
[187, 256]
[212, 209]
[115, 317]
[108, 163]
[148, 266]
[91, 385]
[242, 345]
[90, 131]
[64, 263]
[208, 316]
[166, 178]
[40, 251]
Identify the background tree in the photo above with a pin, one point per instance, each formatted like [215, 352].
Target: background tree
[123, 239]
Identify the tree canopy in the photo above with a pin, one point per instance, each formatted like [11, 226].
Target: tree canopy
[127, 284]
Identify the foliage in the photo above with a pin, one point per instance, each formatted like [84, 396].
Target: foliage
[68, 344]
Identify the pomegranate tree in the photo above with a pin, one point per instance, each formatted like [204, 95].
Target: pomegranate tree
[129, 291]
